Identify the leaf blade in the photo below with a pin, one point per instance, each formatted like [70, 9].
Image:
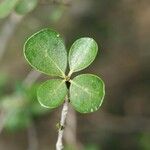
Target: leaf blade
[82, 53]
[45, 51]
[87, 93]
[51, 93]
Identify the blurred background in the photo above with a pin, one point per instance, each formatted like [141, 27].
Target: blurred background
[122, 31]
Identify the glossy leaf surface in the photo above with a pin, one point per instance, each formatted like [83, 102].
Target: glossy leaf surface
[86, 93]
[52, 93]
[82, 53]
[45, 51]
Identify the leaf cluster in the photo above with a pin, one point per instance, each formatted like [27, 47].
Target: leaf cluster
[22, 7]
[46, 52]
[19, 109]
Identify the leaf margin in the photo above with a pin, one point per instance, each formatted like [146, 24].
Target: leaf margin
[92, 60]
[102, 99]
[53, 75]
[63, 81]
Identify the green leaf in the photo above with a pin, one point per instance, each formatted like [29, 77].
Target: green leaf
[86, 93]
[82, 53]
[45, 51]
[26, 6]
[51, 93]
[17, 119]
[6, 7]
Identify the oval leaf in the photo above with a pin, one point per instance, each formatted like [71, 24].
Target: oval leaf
[45, 51]
[25, 6]
[51, 93]
[82, 53]
[86, 93]
[6, 7]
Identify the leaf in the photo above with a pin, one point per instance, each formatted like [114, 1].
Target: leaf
[51, 93]
[6, 7]
[82, 53]
[45, 51]
[86, 93]
[26, 6]
[17, 119]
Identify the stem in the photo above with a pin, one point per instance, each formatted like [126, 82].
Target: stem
[7, 31]
[31, 78]
[32, 137]
[59, 143]
[70, 73]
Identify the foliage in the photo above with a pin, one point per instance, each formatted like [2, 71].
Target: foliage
[82, 53]
[20, 6]
[25, 6]
[52, 88]
[45, 51]
[6, 7]
[20, 109]
[144, 141]
[87, 93]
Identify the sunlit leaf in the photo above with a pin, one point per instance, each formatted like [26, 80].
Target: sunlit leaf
[45, 51]
[82, 53]
[51, 93]
[86, 93]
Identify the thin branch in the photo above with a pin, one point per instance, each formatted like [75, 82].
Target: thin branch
[31, 78]
[7, 31]
[32, 138]
[59, 143]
